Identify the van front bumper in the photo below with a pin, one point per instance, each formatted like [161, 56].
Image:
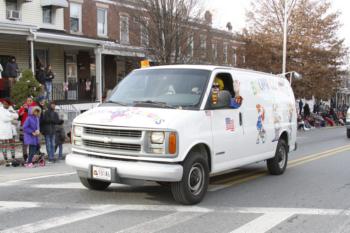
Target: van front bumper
[127, 169]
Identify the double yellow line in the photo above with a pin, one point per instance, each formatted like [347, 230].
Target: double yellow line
[320, 155]
[248, 176]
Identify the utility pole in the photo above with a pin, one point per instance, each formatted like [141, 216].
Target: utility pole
[285, 29]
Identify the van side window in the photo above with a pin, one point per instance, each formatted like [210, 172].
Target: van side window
[225, 82]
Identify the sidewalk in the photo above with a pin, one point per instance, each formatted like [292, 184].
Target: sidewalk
[66, 149]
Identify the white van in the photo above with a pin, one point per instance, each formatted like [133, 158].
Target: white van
[178, 125]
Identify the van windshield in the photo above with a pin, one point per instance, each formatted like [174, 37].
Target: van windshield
[163, 88]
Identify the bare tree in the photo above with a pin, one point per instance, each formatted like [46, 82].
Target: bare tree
[167, 26]
[314, 50]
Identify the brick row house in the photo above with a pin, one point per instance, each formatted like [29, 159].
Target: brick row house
[93, 44]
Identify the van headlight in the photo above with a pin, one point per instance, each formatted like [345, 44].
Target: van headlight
[78, 131]
[157, 137]
[163, 143]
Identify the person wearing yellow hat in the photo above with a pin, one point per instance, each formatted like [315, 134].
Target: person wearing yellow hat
[236, 102]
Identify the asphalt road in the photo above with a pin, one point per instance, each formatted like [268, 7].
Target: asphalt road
[312, 196]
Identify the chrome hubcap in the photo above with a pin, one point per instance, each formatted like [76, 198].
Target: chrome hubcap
[282, 157]
[196, 179]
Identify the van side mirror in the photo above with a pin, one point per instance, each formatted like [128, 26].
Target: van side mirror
[222, 100]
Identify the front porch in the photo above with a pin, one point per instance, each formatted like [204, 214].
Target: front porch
[86, 70]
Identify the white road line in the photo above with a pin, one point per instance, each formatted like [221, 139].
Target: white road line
[37, 177]
[162, 223]
[263, 223]
[178, 208]
[303, 211]
[19, 204]
[59, 186]
[63, 220]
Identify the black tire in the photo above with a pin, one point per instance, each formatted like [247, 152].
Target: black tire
[278, 164]
[194, 184]
[94, 184]
[348, 133]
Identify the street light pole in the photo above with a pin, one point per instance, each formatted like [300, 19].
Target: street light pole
[285, 29]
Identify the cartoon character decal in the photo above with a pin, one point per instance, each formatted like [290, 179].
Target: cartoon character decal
[260, 124]
[237, 87]
[277, 119]
[128, 113]
[237, 100]
[290, 118]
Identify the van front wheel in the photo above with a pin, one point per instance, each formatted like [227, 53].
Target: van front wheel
[278, 164]
[194, 184]
[94, 184]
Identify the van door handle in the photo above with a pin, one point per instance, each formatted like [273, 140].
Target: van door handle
[240, 119]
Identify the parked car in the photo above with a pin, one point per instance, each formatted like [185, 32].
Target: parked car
[177, 125]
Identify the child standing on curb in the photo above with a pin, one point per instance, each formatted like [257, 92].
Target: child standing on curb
[31, 130]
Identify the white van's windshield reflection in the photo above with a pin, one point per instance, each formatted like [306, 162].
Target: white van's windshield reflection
[162, 88]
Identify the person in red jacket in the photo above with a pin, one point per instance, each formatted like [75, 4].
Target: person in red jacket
[23, 115]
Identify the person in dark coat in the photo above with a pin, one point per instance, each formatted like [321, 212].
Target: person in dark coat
[41, 77]
[301, 104]
[306, 110]
[50, 120]
[49, 76]
[11, 71]
[60, 138]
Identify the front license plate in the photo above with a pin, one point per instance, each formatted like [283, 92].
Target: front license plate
[101, 173]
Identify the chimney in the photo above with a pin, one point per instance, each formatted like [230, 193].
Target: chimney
[208, 18]
[229, 26]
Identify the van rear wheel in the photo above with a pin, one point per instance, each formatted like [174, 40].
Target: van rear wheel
[278, 164]
[348, 133]
[94, 184]
[194, 184]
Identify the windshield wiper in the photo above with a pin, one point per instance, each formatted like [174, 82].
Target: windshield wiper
[153, 103]
[117, 102]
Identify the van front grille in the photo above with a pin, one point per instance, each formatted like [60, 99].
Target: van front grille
[112, 145]
[113, 132]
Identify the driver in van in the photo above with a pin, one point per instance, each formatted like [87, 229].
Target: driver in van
[236, 102]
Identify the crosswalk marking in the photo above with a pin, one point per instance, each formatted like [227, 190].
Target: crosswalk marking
[270, 217]
[263, 223]
[162, 223]
[50, 223]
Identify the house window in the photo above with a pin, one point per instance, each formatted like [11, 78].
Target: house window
[144, 35]
[215, 50]
[11, 5]
[12, 10]
[47, 14]
[102, 22]
[124, 29]
[225, 53]
[203, 42]
[190, 46]
[75, 17]
[234, 57]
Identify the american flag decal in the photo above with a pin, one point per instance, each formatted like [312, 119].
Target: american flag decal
[230, 125]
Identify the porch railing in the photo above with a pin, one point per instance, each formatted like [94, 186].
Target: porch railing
[76, 92]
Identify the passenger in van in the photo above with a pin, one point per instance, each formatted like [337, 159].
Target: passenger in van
[236, 101]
